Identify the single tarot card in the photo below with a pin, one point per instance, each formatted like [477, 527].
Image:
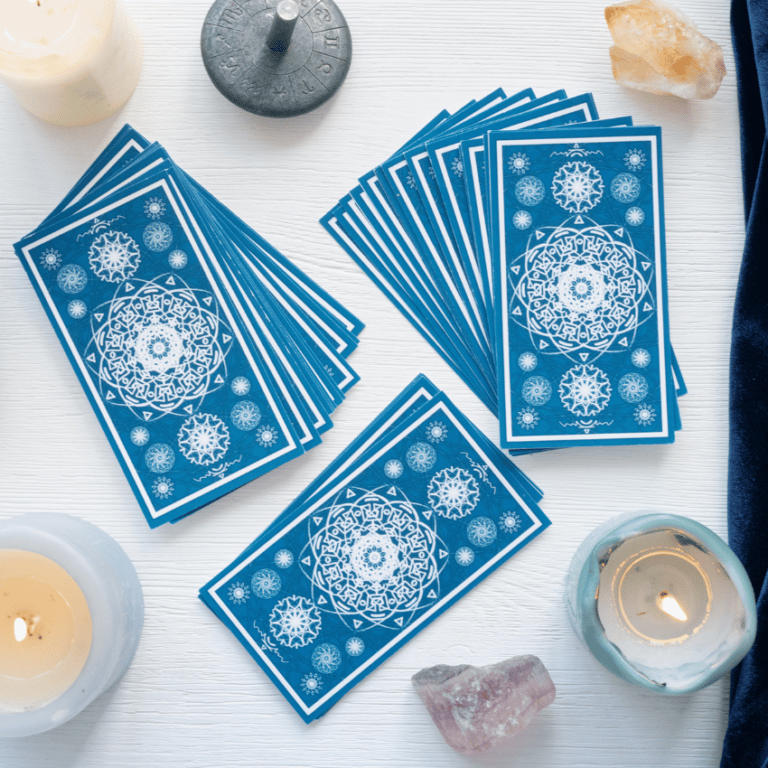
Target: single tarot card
[182, 393]
[577, 219]
[382, 551]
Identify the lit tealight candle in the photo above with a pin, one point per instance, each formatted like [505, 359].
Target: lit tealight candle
[69, 62]
[71, 614]
[661, 601]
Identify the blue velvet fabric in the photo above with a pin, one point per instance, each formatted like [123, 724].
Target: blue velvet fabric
[746, 740]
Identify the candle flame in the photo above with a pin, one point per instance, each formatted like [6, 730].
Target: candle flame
[669, 605]
[19, 629]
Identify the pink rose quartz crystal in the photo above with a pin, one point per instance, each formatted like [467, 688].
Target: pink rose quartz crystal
[476, 708]
[658, 49]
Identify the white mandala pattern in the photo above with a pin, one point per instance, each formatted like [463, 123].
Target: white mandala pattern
[265, 583]
[522, 219]
[139, 435]
[246, 415]
[625, 188]
[527, 418]
[72, 278]
[527, 361]
[283, 558]
[481, 531]
[436, 432]
[158, 236]
[585, 390]
[640, 357]
[410, 180]
[510, 522]
[421, 457]
[577, 187]
[241, 386]
[536, 390]
[393, 469]
[158, 347]
[154, 208]
[464, 556]
[177, 259]
[50, 258]
[457, 167]
[634, 216]
[311, 684]
[529, 190]
[203, 439]
[114, 256]
[634, 159]
[295, 621]
[645, 414]
[453, 493]
[162, 488]
[160, 458]
[77, 309]
[519, 163]
[373, 558]
[633, 387]
[581, 290]
[326, 658]
[267, 436]
[238, 593]
[354, 646]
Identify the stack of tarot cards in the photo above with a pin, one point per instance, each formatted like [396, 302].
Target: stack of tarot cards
[415, 512]
[524, 238]
[207, 356]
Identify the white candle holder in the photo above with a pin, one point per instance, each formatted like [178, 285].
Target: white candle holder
[661, 601]
[109, 583]
[69, 62]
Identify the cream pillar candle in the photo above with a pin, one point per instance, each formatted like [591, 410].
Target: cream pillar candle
[69, 62]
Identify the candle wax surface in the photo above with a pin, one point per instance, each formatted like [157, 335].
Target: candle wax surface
[39, 663]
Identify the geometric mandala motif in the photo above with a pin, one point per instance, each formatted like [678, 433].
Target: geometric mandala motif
[481, 531]
[72, 278]
[158, 347]
[536, 390]
[246, 415]
[581, 290]
[421, 457]
[633, 387]
[645, 414]
[203, 438]
[529, 190]
[295, 621]
[585, 390]
[625, 188]
[453, 493]
[577, 187]
[372, 558]
[158, 236]
[326, 658]
[114, 256]
[265, 583]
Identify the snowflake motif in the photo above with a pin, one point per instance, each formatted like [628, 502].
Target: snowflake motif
[577, 187]
[645, 414]
[266, 436]
[585, 390]
[436, 432]
[527, 361]
[634, 159]
[431, 172]
[158, 236]
[633, 387]
[393, 469]
[177, 259]
[162, 488]
[464, 556]
[295, 621]
[311, 684]
[160, 458]
[510, 522]
[72, 278]
[522, 219]
[154, 208]
[241, 386]
[634, 216]
[238, 593]
[453, 493]
[203, 439]
[457, 166]
[354, 646]
[536, 390]
[529, 190]
[519, 163]
[50, 258]
[640, 357]
[527, 418]
[76, 309]
[114, 256]
[283, 558]
[625, 188]
[481, 531]
[246, 415]
[421, 457]
[265, 583]
[410, 180]
[139, 435]
[326, 658]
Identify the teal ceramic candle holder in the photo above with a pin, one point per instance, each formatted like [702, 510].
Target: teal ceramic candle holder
[661, 601]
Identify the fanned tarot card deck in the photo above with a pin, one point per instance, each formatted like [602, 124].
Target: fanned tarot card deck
[208, 357]
[524, 238]
[417, 511]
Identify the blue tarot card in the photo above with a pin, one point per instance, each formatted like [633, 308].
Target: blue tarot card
[577, 219]
[386, 546]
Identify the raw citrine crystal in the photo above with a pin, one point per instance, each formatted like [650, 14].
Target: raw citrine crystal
[658, 49]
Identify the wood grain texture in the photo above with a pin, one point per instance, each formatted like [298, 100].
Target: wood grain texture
[193, 698]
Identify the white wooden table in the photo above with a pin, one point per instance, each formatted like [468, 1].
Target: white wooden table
[193, 696]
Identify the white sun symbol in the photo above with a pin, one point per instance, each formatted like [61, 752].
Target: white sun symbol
[464, 556]
[641, 357]
[50, 259]
[354, 646]
[527, 418]
[522, 219]
[76, 309]
[510, 522]
[241, 385]
[154, 208]
[177, 259]
[162, 488]
[634, 216]
[283, 558]
[527, 361]
[645, 414]
[436, 432]
[266, 436]
[634, 159]
[519, 163]
[238, 592]
[311, 683]
[458, 167]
